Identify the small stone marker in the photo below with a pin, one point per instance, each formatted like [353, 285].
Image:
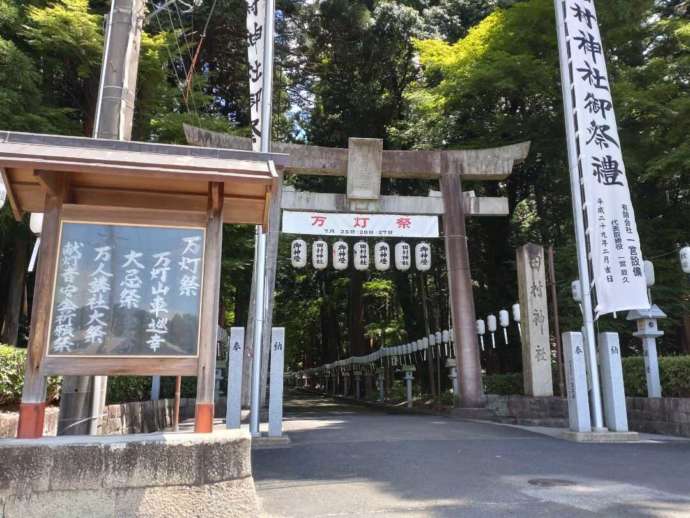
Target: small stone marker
[409, 376]
[576, 382]
[613, 389]
[452, 365]
[381, 377]
[346, 383]
[233, 405]
[358, 383]
[536, 351]
[275, 397]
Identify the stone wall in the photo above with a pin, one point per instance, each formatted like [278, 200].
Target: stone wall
[668, 416]
[124, 418]
[8, 423]
[180, 474]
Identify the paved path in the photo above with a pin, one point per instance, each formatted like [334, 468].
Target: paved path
[347, 461]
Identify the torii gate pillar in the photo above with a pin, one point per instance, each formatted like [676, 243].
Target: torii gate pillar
[460, 285]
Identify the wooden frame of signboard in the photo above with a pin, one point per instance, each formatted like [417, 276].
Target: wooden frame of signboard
[111, 365]
[108, 182]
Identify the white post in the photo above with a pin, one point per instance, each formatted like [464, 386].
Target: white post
[233, 403]
[265, 147]
[612, 382]
[580, 237]
[409, 376]
[651, 367]
[576, 382]
[258, 324]
[275, 402]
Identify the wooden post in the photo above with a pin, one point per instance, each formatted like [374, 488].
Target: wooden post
[176, 408]
[32, 408]
[460, 285]
[210, 297]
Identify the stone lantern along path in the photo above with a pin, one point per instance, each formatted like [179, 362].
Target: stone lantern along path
[364, 163]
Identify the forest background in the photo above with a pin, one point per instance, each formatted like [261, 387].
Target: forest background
[418, 74]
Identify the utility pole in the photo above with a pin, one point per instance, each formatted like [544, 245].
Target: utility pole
[83, 397]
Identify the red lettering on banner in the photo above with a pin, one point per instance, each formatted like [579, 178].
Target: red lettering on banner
[404, 222]
[318, 221]
[361, 222]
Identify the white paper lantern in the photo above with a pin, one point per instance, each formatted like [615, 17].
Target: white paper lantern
[432, 339]
[341, 255]
[36, 222]
[516, 312]
[504, 318]
[439, 337]
[685, 259]
[422, 257]
[491, 323]
[361, 256]
[445, 336]
[403, 256]
[576, 290]
[481, 327]
[382, 256]
[298, 254]
[3, 193]
[319, 254]
[649, 273]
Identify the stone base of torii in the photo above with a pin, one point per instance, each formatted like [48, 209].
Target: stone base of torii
[364, 163]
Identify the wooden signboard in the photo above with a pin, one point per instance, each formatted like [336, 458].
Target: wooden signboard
[128, 275]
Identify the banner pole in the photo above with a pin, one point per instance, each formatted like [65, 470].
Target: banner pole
[260, 240]
[578, 221]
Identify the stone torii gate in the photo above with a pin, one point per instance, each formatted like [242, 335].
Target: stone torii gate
[364, 163]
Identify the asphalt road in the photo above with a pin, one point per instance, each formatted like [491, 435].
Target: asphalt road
[347, 461]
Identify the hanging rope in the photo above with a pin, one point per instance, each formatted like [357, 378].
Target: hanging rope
[198, 50]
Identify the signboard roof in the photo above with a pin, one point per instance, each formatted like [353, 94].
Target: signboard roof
[134, 174]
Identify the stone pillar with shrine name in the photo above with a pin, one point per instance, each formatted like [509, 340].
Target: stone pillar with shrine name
[536, 350]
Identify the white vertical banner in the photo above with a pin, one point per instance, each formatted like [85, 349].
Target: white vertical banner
[275, 398]
[256, 12]
[613, 242]
[233, 408]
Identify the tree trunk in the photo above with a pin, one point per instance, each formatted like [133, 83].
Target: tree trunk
[358, 345]
[10, 330]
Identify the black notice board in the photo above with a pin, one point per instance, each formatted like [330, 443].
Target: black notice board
[125, 290]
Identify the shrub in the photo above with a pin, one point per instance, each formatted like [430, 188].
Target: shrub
[126, 389]
[674, 372]
[12, 363]
[504, 384]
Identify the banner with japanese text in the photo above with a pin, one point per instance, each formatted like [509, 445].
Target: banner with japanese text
[359, 225]
[613, 241]
[256, 12]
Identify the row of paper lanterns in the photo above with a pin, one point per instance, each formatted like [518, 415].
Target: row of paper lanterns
[437, 343]
[340, 255]
[491, 324]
